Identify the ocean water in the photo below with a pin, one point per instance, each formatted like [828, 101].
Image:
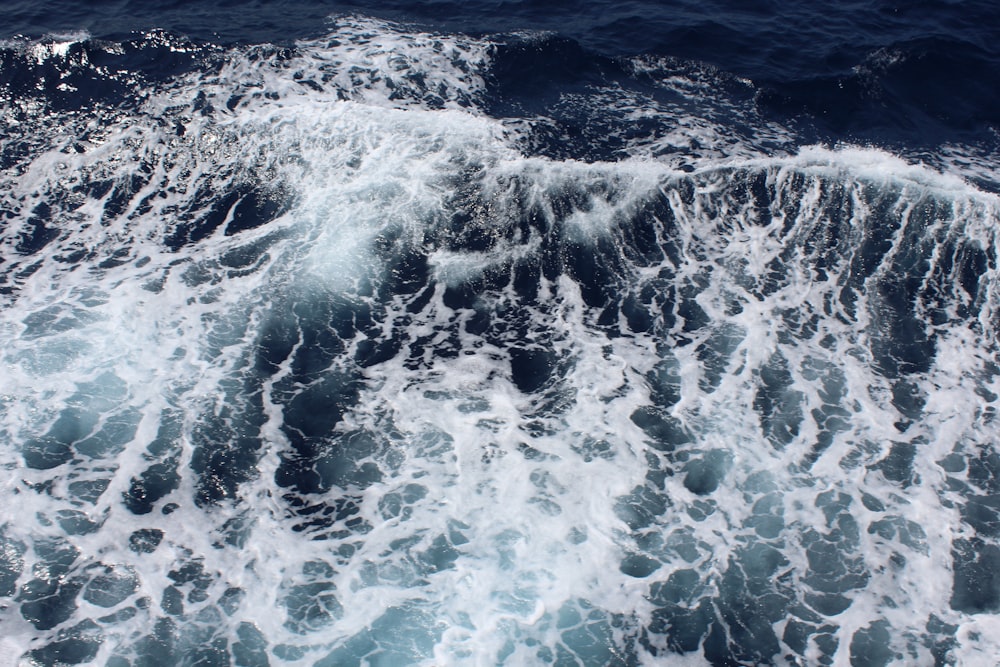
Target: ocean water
[499, 333]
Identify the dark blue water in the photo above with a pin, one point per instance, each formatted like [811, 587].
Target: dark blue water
[913, 74]
[499, 333]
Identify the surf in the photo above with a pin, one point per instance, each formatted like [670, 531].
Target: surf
[310, 359]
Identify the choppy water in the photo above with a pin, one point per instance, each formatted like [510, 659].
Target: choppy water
[398, 346]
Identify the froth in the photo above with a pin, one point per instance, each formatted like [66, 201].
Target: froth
[308, 363]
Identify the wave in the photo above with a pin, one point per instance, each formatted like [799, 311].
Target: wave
[372, 349]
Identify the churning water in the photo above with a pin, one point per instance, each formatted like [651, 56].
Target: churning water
[346, 352]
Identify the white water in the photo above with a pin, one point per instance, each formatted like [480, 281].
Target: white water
[484, 524]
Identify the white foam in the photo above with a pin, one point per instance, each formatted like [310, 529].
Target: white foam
[533, 482]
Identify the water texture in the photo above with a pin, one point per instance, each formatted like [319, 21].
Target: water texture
[474, 335]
